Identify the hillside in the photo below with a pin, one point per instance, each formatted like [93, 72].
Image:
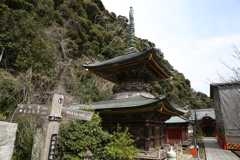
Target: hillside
[46, 42]
[44, 45]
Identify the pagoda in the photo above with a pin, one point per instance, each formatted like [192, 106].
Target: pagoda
[132, 103]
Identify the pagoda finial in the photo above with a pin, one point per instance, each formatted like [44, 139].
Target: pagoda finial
[131, 29]
[131, 41]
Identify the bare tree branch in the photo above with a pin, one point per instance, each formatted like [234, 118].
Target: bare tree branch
[235, 77]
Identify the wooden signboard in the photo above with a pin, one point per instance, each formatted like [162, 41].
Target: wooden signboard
[76, 114]
[33, 109]
[54, 117]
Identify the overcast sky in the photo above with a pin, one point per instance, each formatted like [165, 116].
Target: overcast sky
[194, 35]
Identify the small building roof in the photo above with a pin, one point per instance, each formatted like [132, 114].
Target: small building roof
[177, 119]
[201, 113]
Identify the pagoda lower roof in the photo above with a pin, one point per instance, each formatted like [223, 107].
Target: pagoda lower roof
[137, 61]
[134, 104]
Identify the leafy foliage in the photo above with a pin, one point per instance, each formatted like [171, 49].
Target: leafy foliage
[199, 133]
[10, 92]
[121, 146]
[2, 117]
[53, 37]
[78, 136]
[179, 92]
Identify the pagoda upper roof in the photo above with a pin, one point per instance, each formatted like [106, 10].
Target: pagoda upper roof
[145, 62]
[134, 104]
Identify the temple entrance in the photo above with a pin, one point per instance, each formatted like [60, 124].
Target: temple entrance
[208, 131]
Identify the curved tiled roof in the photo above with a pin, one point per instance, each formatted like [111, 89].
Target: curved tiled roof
[134, 104]
[126, 58]
[177, 119]
[201, 113]
[147, 58]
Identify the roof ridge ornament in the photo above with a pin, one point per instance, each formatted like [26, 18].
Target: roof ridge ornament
[131, 29]
[131, 41]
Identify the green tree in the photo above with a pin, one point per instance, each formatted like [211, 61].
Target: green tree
[2, 117]
[12, 90]
[199, 134]
[121, 148]
[78, 136]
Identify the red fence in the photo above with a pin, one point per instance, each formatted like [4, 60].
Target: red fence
[231, 142]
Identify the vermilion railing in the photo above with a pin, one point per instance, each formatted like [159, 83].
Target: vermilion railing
[226, 141]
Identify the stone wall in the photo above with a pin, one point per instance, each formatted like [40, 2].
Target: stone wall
[7, 138]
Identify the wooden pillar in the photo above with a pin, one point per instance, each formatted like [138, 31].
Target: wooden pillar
[147, 139]
[53, 126]
[155, 145]
[166, 133]
[183, 132]
[157, 136]
[162, 132]
[110, 128]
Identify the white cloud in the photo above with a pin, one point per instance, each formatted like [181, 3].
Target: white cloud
[216, 44]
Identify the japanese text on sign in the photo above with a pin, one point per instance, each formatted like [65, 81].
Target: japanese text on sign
[76, 114]
[52, 147]
[33, 109]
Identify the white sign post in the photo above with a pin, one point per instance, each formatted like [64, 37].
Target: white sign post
[55, 116]
[53, 126]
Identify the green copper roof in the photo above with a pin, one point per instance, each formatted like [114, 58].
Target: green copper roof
[120, 103]
[124, 103]
[122, 58]
[176, 119]
[137, 102]
[127, 58]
